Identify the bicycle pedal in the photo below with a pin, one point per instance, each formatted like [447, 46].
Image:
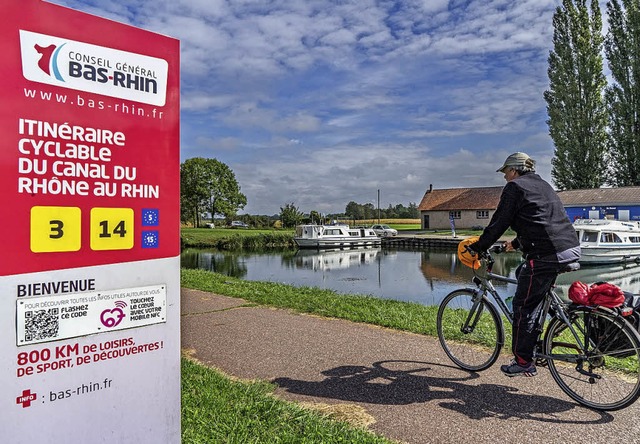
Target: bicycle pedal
[540, 362]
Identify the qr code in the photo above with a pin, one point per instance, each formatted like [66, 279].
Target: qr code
[41, 324]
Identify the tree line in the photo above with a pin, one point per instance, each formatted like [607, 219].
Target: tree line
[290, 215]
[368, 211]
[595, 124]
[209, 190]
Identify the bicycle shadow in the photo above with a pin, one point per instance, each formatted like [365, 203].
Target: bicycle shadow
[399, 382]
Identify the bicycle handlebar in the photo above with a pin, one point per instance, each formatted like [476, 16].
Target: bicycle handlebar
[496, 249]
[486, 255]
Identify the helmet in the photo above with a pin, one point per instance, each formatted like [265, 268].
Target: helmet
[471, 261]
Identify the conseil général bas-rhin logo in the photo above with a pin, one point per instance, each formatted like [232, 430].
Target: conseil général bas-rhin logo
[95, 69]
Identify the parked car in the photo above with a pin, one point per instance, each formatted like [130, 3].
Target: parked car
[384, 230]
[238, 224]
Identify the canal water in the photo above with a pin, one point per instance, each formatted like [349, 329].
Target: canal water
[421, 276]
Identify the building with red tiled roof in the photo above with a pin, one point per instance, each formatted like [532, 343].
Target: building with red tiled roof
[468, 207]
[474, 207]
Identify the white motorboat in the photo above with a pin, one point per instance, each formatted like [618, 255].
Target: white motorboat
[606, 241]
[334, 236]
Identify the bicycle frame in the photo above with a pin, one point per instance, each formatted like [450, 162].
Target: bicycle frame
[551, 300]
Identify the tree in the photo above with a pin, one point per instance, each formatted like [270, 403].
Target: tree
[290, 216]
[354, 211]
[208, 185]
[370, 211]
[192, 190]
[315, 217]
[412, 211]
[622, 49]
[575, 99]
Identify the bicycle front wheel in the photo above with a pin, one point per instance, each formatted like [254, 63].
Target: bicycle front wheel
[469, 329]
[599, 365]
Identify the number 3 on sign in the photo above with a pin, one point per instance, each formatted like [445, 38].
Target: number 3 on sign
[55, 229]
[112, 228]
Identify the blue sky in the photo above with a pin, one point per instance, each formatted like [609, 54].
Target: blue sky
[323, 102]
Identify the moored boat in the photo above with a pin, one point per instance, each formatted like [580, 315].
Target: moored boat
[606, 241]
[334, 236]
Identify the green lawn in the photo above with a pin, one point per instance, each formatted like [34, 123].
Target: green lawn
[405, 227]
[217, 409]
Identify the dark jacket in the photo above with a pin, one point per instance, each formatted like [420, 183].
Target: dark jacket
[532, 208]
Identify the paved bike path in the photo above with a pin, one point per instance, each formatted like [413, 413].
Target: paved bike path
[403, 381]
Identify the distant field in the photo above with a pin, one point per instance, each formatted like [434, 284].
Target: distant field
[389, 221]
[398, 224]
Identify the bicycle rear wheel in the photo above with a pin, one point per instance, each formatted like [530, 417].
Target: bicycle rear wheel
[469, 329]
[604, 374]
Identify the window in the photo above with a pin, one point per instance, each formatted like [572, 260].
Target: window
[482, 214]
[610, 238]
[635, 239]
[590, 236]
[455, 214]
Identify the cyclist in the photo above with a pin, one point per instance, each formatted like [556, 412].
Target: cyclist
[547, 239]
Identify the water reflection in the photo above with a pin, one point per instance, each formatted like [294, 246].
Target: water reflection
[328, 260]
[422, 276]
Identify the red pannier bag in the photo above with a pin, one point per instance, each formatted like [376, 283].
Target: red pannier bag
[579, 293]
[600, 293]
[606, 295]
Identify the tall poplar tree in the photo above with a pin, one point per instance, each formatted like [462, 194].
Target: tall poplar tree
[622, 48]
[575, 99]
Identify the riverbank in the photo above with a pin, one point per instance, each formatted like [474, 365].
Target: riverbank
[229, 239]
[405, 316]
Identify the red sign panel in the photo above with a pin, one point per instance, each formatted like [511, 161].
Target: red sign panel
[89, 130]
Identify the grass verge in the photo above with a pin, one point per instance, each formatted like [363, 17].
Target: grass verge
[217, 409]
[227, 239]
[406, 316]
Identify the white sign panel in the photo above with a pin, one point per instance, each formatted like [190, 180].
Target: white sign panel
[84, 67]
[68, 316]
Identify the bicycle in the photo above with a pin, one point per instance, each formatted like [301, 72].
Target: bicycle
[592, 353]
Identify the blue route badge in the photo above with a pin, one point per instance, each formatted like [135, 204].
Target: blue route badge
[150, 217]
[150, 239]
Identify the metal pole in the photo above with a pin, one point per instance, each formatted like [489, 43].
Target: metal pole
[378, 205]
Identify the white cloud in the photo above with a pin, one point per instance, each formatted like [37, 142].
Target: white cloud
[384, 95]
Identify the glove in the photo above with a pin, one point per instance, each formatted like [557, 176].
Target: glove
[474, 247]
